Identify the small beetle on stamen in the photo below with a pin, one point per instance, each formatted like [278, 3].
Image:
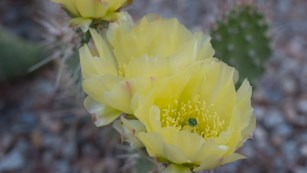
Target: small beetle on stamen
[192, 122]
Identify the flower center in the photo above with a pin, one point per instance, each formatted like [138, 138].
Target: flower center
[194, 115]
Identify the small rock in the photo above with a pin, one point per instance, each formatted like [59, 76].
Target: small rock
[274, 93]
[261, 137]
[289, 85]
[249, 149]
[260, 112]
[62, 166]
[303, 78]
[302, 105]
[290, 150]
[283, 129]
[277, 140]
[12, 161]
[25, 122]
[303, 150]
[289, 109]
[300, 169]
[279, 165]
[69, 149]
[273, 118]
[15, 159]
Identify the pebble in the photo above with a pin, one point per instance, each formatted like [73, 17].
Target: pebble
[303, 78]
[260, 113]
[290, 111]
[283, 129]
[300, 169]
[279, 165]
[62, 166]
[273, 118]
[69, 150]
[290, 151]
[261, 137]
[289, 85]
[14, 160]
[302, 105]
[303, 150]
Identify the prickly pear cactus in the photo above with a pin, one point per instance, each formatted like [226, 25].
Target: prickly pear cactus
[73, 72]
[241, 40]
[17, 55]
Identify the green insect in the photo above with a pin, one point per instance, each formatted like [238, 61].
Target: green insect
[192, 122]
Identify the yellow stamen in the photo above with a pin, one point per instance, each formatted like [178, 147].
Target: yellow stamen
[194, 115]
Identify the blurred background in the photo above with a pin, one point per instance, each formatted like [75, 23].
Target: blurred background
[44, 127]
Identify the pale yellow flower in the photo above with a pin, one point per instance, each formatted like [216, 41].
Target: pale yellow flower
[196, 120]
[130, 58]
[84, 12]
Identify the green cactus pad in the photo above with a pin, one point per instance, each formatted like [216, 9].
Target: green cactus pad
[17, 55]
[241, 40]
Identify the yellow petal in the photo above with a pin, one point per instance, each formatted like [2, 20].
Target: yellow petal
[120, 96]
[115, 5]
[102, 47]
[69, 5]
[96, 86]
[156, 147]
[176, 169]
[231, 158]
[217, 85]
[146, 38]
[148, 66]
[83, 23]
[197, 48]
[93, 66]
[91, 8]
[169, 89]
[242, 121]
[210, 162]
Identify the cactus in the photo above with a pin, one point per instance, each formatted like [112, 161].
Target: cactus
[241, 40]
[73, 72]
[17, 55]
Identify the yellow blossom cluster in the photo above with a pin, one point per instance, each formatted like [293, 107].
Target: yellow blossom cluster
[175, 99]
[162, 89]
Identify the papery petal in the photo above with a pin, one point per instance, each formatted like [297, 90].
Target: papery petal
[128, 129]
[101, 114]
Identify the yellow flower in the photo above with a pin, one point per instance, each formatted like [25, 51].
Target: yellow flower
[198, 121]
[130, 58]
[84, 11]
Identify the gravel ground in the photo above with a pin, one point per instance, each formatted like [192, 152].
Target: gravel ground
[44, 128]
